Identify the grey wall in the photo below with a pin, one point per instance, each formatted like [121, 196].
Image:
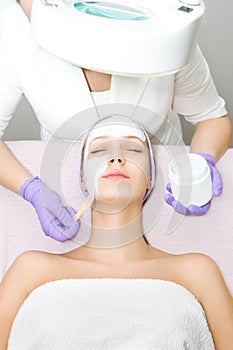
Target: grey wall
[215, 40]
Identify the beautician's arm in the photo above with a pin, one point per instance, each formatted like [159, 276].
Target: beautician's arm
[12, 173]
[212, 136]
[59, 223]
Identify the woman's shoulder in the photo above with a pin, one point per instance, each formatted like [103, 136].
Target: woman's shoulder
[34, 263]
[34, 268]
[198, 272]
[196, 264]
[186, 261]
[198, 259]
[30, 259]
[35, 259]
[193, 266]
[194, 271]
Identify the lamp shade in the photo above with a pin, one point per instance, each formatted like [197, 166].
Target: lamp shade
[134, 37]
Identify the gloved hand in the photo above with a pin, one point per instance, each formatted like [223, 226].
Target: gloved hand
[56, 220]
[217, 187]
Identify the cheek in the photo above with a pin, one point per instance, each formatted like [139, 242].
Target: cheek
[147, 174]
[141, 165]
[93, 168]
[140, 183]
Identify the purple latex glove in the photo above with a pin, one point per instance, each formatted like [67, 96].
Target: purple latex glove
[56, 220]
[217, 187]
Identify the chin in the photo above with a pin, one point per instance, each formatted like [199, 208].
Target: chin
[114, 198]
[110, 202]
[116, 192]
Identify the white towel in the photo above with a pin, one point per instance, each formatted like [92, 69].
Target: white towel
[110, 314]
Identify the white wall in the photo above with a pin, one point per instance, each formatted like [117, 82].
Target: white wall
[215, 40]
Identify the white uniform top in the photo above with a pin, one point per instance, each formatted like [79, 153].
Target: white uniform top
[57, 90]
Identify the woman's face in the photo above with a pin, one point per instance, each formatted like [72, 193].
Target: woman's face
[117, 168]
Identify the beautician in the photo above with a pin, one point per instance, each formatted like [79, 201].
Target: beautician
[58, 90]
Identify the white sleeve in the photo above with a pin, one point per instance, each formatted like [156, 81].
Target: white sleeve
[195, 94]
[10, 89]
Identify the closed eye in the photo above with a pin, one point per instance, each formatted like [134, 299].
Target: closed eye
[134, 150]
[97, 151]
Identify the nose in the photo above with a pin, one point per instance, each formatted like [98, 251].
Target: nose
[118, 159]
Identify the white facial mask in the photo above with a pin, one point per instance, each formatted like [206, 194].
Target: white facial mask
[93, 168]
[103, 150]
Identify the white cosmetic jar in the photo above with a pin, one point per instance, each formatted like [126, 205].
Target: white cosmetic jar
[190, 179]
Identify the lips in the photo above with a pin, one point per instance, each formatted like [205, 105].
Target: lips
[115, 175]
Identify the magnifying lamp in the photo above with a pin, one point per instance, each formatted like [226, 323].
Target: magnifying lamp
[134, 37]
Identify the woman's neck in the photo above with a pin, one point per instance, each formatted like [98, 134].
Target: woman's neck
[116, 215]
[114, 225]
[116, 245]
[115, 233]
[118, 256]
